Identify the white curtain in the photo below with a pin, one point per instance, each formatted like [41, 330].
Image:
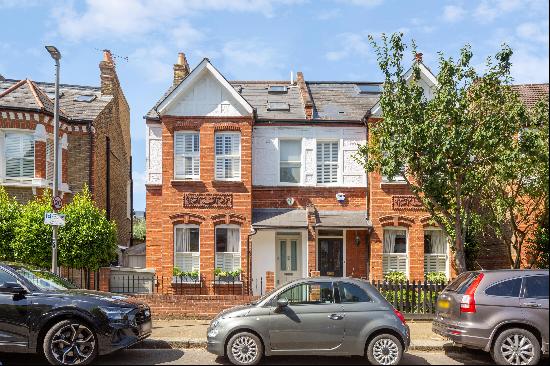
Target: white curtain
[389, 241]
[183, 240]
[233, 240]
[439, 242]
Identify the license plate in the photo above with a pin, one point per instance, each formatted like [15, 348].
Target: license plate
[443, 304]
[146, 327]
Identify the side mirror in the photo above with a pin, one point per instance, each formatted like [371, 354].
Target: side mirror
[282, 303]
[12, 288]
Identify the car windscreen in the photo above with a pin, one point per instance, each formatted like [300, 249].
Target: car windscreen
[462, 282]
[44, 280]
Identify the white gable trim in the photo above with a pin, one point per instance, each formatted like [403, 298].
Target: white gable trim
[425, 74]
[192, 77]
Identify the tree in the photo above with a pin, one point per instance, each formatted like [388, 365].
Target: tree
[32, 242]
[517, 195]
[88, 239]
[139, 229]
[447, 146]
[539, 250]
[9, 213]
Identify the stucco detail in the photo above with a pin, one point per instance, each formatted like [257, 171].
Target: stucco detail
[154, 154]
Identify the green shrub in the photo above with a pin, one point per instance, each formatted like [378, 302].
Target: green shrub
[9, 213]
[436, 277]
[139, 229]
[395, 277]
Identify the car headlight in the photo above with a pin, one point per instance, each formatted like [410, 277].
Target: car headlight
[116, 314]
[215, 323]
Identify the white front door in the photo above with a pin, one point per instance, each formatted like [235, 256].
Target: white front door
[289, 259]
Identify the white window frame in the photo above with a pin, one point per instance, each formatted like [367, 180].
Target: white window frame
[301, 161]
[234, 254]
[407, 245]
[222, 156]
[447, 248]
[3, 177]
[338, 163]
[193, 155]
[192, 254]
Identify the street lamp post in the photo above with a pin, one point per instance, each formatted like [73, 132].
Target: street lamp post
[56, 55]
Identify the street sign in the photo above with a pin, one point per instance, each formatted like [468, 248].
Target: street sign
[55, 219]
[57, 203]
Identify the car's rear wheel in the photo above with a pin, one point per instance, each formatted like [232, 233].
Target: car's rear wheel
[516, 346]
[70, 342]
[244, 348]
[384, 349]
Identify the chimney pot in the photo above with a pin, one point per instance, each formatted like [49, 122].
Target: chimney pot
[418, 56]
[181, 68]
[107, 57]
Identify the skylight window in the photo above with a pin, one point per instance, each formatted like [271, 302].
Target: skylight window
[277, 89]
[51, 95]
[369, 88]
[85, 98]
[278, 106]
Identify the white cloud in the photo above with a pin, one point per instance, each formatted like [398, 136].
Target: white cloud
[252, 59]
[453, 13]
[350, 44]
[528, 67]
[489, 10]
[537, 32]
[153, 63]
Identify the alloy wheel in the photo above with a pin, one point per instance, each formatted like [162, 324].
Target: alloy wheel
[244, 349]
[73, 344]
[385, 351]
[517, 350]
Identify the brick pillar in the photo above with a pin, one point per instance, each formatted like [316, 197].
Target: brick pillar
[104, 275]
[376, 239]
[311, 238]
[64, 166]
[40, 159]
[269, 281]
[416, 252]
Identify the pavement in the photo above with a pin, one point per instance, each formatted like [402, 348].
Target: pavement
[184, 334]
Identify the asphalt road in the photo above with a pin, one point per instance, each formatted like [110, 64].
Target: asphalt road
[201, 357]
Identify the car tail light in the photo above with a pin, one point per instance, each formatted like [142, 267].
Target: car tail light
[468, 303]
[399, 315]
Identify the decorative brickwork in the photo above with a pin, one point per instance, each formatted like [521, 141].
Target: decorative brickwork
[208, 200]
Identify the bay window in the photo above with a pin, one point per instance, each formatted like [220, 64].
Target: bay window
[290, 161]
[394, 257]
[228, 156]
[18, 156]
[186, 248]
[186, 155]
[327, 162]
[228, 248]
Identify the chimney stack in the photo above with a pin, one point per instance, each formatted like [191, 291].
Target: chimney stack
[304, 93]
[109, 79]
[181, 68]
[418, 56]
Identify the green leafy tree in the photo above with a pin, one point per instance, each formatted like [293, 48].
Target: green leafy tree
[516, 195]
[9, 213]
[539, 250]
[447, 146]
[139, 229]
[32, 242]
[88, 239]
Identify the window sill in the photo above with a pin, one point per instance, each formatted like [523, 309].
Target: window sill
[222, 181]
[394, 183]
[180, 182]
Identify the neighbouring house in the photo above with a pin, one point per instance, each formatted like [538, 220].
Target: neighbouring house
[260, 177]
[95, 144]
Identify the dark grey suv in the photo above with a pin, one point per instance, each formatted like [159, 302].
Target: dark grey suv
[323, 316]
[504, 312]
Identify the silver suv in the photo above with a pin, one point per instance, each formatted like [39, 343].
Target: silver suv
[322, 316]
[504, 312]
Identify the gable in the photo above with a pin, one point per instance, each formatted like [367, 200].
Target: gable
[204, 92]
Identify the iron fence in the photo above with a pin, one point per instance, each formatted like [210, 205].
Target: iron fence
[411, 297]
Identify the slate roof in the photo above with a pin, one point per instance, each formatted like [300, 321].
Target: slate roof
[278, 217]
[530, 94]
[29, 95]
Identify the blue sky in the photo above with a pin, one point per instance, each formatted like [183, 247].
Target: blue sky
[254, 39]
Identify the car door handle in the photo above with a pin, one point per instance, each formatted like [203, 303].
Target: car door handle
[336, 317]
[531, 305]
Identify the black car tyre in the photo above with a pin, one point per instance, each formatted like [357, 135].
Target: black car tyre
[244, 348]
[70, 342]
[516, 346]
[384, 349]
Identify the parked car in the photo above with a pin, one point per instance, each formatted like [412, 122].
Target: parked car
[322, 316]
[504, 312]
[42, 313]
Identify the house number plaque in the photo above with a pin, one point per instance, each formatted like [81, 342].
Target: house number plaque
[208, 200]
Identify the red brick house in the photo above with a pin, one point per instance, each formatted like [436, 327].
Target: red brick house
[94, 141]
[260, 176]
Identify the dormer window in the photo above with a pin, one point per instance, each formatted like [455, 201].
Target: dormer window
[277, 89]
[278, 106]
[369, 88]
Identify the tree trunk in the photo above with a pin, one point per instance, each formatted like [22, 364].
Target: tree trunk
[460, 257]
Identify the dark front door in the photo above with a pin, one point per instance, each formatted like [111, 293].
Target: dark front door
[331, 256]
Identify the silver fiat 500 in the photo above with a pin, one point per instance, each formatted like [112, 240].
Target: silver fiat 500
[321, 316]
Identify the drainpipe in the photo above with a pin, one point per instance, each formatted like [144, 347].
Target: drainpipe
[248, 257]
[369, 231]
[90, 157]
[131, 205]
[108, 177]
